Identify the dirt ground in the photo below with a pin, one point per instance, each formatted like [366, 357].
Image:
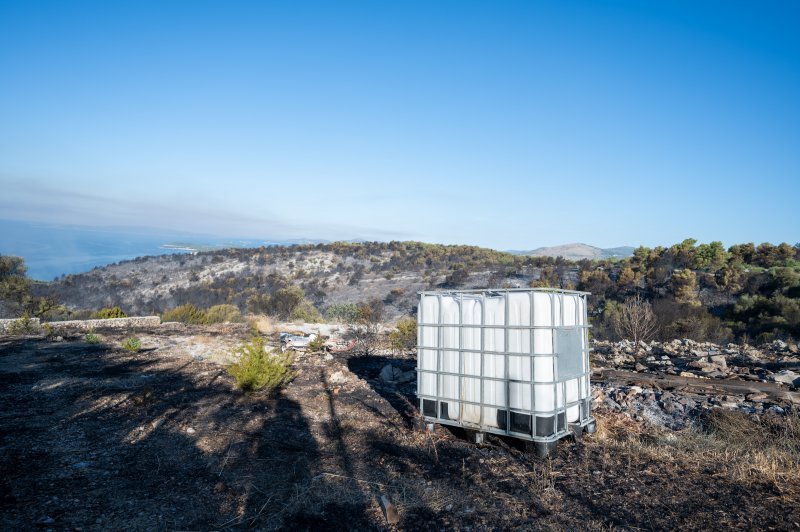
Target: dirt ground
[94, 437]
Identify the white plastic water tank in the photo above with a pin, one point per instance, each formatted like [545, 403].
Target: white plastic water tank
[512, 362]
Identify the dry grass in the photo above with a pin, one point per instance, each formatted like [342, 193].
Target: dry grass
[262, 324]
[739, 447]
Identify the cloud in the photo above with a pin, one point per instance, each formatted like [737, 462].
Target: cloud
[34, 201]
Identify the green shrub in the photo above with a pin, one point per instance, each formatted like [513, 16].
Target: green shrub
[47, 329]
[317, 344]
[108, 313]
[343, 312]
[186, 314]
[404, 338]
[223, 314]
[306, 312]
[92, 338]
[22, 326]
[258, 368]
[132, 344]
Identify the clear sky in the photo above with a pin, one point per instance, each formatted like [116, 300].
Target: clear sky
[502, 124]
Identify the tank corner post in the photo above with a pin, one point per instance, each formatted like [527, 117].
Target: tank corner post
[542, 449]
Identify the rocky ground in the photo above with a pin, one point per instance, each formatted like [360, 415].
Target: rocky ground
[672, 383]
[96, 437]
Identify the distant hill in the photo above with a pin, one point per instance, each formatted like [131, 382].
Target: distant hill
[579, 251]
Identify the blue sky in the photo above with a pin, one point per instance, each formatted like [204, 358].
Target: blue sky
[502, 124]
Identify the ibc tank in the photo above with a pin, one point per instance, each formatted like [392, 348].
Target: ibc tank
[513, 362]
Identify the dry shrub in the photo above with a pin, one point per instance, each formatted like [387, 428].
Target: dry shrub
[261, 324]
[763, 447]
[744, 448]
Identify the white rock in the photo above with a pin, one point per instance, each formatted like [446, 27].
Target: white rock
[337, 377]
[785, 376]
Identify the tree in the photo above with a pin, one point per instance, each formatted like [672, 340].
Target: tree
[14, 284]
[404, 338]
[635, 320]
[710, 257]
[368, 325]
[284, 301]
[683, 284]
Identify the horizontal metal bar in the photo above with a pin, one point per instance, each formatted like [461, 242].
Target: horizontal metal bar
[497, 379]
[503, 291]
[519, 435]
[539, 413]
[509, 353]
[504, 327]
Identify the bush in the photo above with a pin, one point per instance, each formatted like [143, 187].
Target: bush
[22, 326]
[317, 344]
[404, 338]
[283, 302]
[258, 368]
[186, 314]
[305, 312]
[367, 328]
[223, 314]
[132, 344]
[108, 313]
[92, 338]
[343, 312]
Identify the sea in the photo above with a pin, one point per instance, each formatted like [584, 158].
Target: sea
[53, 250]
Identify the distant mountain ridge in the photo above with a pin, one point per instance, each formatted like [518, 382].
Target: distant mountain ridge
[578, 252]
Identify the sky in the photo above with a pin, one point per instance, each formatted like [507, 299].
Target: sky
[510, 125]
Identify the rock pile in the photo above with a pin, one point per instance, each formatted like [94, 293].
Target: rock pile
[677, 407]
[775, 362]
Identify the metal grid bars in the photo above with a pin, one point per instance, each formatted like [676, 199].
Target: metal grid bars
[510, 361]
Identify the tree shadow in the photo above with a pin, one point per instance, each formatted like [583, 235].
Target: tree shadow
[99, 438]
[401, 396]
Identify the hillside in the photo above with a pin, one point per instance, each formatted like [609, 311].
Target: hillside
[328, 273]
[579, 252]
[697, 291]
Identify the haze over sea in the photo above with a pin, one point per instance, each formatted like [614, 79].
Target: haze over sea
[52, 250]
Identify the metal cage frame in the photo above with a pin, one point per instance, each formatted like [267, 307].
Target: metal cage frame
[561, 427]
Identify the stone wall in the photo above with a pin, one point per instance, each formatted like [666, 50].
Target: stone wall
[85, 325]
[112, 323]
[5, 323]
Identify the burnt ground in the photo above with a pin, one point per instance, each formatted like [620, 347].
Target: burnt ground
[95, 437]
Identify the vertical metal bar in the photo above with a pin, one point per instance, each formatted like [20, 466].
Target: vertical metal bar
[586, 378]
[505, 355]
[530, 359]
[554, 349]
[561, 325]
[419, 353]
[439, 354]
[483, 348]
[461, 357]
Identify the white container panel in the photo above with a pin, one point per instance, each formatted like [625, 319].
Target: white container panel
[472, 364]
[519, 368]
[544, 395]
[494, 366]
[520, 394]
